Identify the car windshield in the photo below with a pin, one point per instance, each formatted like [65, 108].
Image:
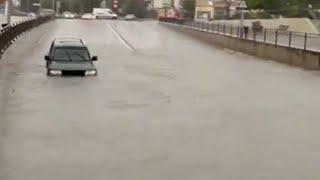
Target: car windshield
[71, 54]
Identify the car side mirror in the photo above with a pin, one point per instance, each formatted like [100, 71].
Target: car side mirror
[47, 58]
[4, 25]
[94, 58]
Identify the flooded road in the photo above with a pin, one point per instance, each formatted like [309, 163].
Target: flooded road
[163, 107]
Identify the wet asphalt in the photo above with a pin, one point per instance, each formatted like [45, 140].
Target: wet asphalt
[163, 107]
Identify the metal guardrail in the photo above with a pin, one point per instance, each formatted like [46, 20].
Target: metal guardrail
[11, 32]
[278, 37]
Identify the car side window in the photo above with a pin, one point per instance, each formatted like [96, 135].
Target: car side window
[51, 48]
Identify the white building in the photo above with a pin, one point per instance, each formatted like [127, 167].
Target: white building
[158, 4]
[211, 9]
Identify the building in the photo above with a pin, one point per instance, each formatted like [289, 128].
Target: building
[215, 9]
[159, 4]
[27, 5]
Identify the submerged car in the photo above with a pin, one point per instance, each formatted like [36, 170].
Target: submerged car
[70, 57]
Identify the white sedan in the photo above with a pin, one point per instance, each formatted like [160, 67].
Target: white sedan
[130, 17]
[68, 15]
[88, 16]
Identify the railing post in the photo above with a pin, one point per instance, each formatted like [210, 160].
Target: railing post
[305, 41]
[290, 38]
[254, 35]
[265, 36]
[231, 30]
[276, 40]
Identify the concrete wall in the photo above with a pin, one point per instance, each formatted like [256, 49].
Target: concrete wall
[316, 24]
[295, 24]
[296, 57]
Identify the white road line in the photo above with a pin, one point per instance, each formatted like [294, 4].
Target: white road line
[44, 35]
[122, 39]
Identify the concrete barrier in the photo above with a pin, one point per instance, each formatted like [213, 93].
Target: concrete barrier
[303, 25]
[295, 57]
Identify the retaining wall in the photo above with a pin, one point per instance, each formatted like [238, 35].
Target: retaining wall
[296, 57]
[303, 25]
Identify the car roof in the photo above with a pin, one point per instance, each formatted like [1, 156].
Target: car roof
[68, 42]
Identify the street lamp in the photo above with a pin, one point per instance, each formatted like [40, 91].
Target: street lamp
[242, 7]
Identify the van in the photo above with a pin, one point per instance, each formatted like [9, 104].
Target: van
[104, 13]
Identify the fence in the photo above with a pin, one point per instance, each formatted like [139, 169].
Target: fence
[278, 37]
[11, 32]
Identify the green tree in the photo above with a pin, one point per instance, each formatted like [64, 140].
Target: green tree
[189, 7]
[265, 4]
[288, 8]
[254, 4]
[279, 4]
[136, 7]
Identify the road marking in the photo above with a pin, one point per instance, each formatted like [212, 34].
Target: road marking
[44, 35]
[121, 38]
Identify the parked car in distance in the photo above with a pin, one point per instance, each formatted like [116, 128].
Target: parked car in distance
[88, 16]
[32, 14]
[68, 15]
[130, 17]
[69, 56]
[104, 13]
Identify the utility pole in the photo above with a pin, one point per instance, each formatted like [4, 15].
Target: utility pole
[58, 7]
[8, 11]
[28, 6]
[241, 29]
[40, 6]
[54, 5]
